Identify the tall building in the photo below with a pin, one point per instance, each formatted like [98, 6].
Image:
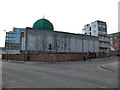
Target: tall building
[12, 42]
[115, 41]
[43, 38]
[2, 50]
[99, 29]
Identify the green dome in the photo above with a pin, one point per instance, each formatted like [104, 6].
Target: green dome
[43, 24]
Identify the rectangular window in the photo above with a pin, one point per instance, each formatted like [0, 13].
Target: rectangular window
[103, 26]
[90, 28]
[100, 26]
[119, 37]
[111, 40]
[115, 40]
[118, 41]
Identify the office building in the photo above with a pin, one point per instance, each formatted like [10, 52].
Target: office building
[99, 29]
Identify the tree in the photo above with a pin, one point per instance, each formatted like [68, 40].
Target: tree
[43, 41]
[50, 47]
[65, 42]
[21, 51]
[57, 41]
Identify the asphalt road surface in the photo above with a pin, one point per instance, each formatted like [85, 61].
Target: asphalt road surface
[59, 75]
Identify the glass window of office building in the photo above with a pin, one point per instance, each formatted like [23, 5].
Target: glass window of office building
[99, 25]
[111, 40]
[119, 41]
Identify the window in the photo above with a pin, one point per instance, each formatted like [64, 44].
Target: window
[99, 25]
[119, 37]
[104, 27]
[100, 37]
[111, 40]
[103, 32]
[111, 45]
[119, 43]
[7, 35]
[90, 28]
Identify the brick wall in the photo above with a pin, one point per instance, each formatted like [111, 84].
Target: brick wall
[115, 40]
[113, 53]
[100, 55]
[49, 57]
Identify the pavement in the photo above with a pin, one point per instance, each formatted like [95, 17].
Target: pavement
[110, 66]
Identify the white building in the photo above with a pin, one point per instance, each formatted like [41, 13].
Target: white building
[99, 29]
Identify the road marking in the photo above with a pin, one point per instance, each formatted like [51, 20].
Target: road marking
[38, 72]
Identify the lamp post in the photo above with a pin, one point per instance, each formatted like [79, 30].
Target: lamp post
[6, 52]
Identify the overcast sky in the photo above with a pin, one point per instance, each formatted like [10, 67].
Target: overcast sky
[66, 15]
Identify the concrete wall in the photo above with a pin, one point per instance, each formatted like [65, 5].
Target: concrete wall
[39, 40]
[94, 28]
[87, 29]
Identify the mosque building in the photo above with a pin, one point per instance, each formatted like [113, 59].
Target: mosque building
[42, 38]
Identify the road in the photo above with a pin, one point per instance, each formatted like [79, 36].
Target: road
[59, 75]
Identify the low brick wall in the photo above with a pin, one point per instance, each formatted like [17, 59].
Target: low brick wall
[113, 53]
[49, 57]
[100, 55]
[14, 56]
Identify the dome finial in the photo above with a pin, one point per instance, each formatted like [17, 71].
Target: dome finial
[43, 16]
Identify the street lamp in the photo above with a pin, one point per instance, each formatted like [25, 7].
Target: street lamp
[5, 41]
[6, 52]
